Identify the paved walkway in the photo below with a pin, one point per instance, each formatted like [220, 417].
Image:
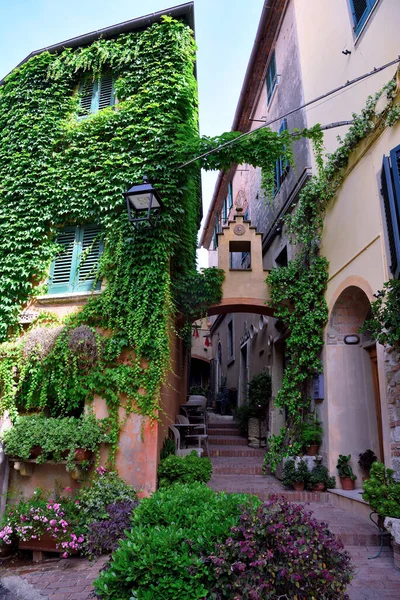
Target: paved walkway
[71, 579]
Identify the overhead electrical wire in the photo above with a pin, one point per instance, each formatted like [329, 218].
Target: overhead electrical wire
[290, 112]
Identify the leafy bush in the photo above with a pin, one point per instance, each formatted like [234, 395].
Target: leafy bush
[311, 431]
[260, 389]
[344, 468]
[55, 436]
[186, 469]
[104, 535]
[293, 472]
[105, 488]
[161, 556]
[168, 448]
[366, 459]
[242, 415]
[382, 492]
[279, 550]
[320, 474]
[32, 517]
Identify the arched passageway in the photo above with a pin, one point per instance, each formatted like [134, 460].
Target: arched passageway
[352, 412]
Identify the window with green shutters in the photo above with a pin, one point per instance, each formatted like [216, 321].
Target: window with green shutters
[96, 94]
[271, 78]
[75, 268]
[281, 165]
[390, 190]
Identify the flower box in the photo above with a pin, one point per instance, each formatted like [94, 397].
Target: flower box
[46, 543]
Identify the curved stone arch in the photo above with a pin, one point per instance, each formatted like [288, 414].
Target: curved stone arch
[348, 314]
[202, 358]
[353, 280]
[255, 306]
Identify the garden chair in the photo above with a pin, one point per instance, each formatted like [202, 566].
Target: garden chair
[179, 451]
[192, 431]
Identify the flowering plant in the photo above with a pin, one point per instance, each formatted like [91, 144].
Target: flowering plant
[32, 518]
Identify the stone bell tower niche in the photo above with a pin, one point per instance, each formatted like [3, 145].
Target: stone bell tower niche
[240, 256]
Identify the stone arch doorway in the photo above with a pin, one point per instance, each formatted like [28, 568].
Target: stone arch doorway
[352, 410]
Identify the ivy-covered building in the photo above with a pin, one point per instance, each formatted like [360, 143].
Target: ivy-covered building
[88, 303]
[329, 236]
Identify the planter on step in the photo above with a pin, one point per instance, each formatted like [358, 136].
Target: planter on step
[46, 543]
[298, 486]
[312, 450]
[393, 525]
[257, 432]
[318, 487]
[347, 483]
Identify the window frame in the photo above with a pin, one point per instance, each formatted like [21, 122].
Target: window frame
[271, 81]
[75, 284]
[281, 166]
[359, 24]
[96, 87]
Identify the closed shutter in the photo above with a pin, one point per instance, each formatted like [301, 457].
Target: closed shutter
[91, 247]
[391, 204]
[106, 96]
[61, 271]
[75, 268]
[271, 76]
[86, 95]
[361, 10]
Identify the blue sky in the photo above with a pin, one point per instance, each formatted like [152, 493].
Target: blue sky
[225, 32]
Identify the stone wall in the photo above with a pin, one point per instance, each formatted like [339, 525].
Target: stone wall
[392, 369]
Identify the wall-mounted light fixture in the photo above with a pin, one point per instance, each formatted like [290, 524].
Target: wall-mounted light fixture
[346, 52]
[351, 340]
[144, 204]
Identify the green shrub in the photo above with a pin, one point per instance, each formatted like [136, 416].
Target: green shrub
[161, 556]
[105, 488]
[320, 474]
[168, 448]
[382, 492]
[293, 473]
[186, 469]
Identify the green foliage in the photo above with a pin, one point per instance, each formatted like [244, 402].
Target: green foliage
[105, 487]
[161, 556]
[311, 430]
[382, 492]
[293, 472]
[184, 469]
[344, 468]
[260, 389]
[284, 444]
[168, 448]
[320, 474]
[384, 324]
[58, 438]
[297, 290]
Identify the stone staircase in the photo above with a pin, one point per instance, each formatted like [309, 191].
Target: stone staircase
[238, 468]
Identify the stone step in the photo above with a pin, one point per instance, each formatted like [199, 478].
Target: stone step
[226, 431]
[238, 451]
[237, 470]
[217, 425]
[227, 440]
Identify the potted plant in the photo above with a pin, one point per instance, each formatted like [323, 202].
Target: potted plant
[311, 434]
[252, 416]
[296, 474]
[382, 492]
[366, 460]
[347, 477]
[320, 479]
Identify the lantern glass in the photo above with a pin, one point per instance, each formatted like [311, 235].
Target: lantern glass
[143, 203]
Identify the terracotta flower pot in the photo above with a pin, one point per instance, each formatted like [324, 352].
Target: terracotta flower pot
[312, 450]
[82, 454]
[319, 487]
[298, 486]
[46, 543]
[36, 451]
[347, 483]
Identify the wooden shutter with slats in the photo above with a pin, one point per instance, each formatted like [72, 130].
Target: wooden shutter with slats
[75, 268]
[95, 95]
[391, 205]
[106, 95]
[90, 249]
[86, 96]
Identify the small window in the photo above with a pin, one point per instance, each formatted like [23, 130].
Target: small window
[282, 258]
[96, 94]
[361, 9]
[75, 268]
[225, 210]
[230, 196]
[272, 78]
[390, 190]
[230, 344]
[281, 165]
[239, 255]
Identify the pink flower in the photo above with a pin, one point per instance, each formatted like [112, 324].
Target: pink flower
[80, 539]
[68, 489]
[65, 555]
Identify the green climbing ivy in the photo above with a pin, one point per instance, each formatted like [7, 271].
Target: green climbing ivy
[297, 291]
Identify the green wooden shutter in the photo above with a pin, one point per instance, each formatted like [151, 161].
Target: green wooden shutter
[86, 96]
[271, 76]
[60, 280]
[106, 93]
[90, 249]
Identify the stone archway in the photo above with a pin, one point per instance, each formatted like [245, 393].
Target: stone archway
[351, 412]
